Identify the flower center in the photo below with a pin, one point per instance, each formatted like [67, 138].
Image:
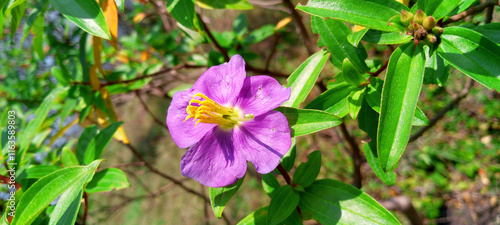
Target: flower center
[205, 110]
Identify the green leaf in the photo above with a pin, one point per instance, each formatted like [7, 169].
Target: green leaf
[240, 25]
[37, 172]
[354, 102]
[67, 207]
[419, 118]
[356, 37]
[401, 90]
[334, 202]
[270, 183]
[307, 121]
[85, 14]
[438, 8]
[107, 180]
[333, 100]
[120, 4]
[490, 30]
[99, 142]
[220, 196]
[17, 14]
[257, 217]
[386, 38]
[333, 34]
[40, 116]
[289, 158]
[472, 54]
[351, 75]
[463, 5]
[284, 201]
[368, 122]
[68, 158]
[258, 35]
[86, 137]
[307, 172]
[374, 14]
[374, 95]
[183, 12]
[48, 188]
[436, 71]
[225, 4]
[304, 77]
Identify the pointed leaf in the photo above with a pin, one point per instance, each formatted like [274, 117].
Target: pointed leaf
[334, 202]
[99, 142]
[386, 38]
[107, 180]
[351, 75]
[304, 77]
[436, 71]
[220, 196]
[270, 183]
[400, 93]
[333, 34]
[472, 54]
[67, 207]
[438, 8]
[284, 201]
[374, 14]
[183, 12]
[354, 102]
[307, 172]
[368, 122]
[85, 14]
[48, 188]
[307, 121]
[40, 116]
[333, 100]
[356, 37]
[257, 217]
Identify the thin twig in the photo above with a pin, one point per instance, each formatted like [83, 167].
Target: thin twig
[284, 174]
[150, 112]
[168, 177]
[440, 114]
[265, 72]
[471, 11]
[356, 155]
[85, 207]
[380, 70]
[300, 26]
[214, 41]
[273, 50]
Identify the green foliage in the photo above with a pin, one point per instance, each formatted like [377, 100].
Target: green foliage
[401, 90]
[220, 196]
[382, 54]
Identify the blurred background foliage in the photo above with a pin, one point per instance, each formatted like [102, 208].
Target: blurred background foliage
[451, 173]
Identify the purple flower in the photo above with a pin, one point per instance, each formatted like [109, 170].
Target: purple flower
[225, 120]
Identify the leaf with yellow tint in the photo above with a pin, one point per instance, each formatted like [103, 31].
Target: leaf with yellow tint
[282, 23]
[111, 15]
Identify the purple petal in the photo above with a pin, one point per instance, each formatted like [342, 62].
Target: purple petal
[261, 94]
[222, 83]
[184, 134]
[264, 140]
[213, 161]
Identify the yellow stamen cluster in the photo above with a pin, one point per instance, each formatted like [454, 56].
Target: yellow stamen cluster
[207, 110]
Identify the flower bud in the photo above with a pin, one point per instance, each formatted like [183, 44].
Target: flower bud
[431, 38]
[429, 23]
[406, 17]
[414, 26]
[437, 31]
[420, 34]
[419, 17]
